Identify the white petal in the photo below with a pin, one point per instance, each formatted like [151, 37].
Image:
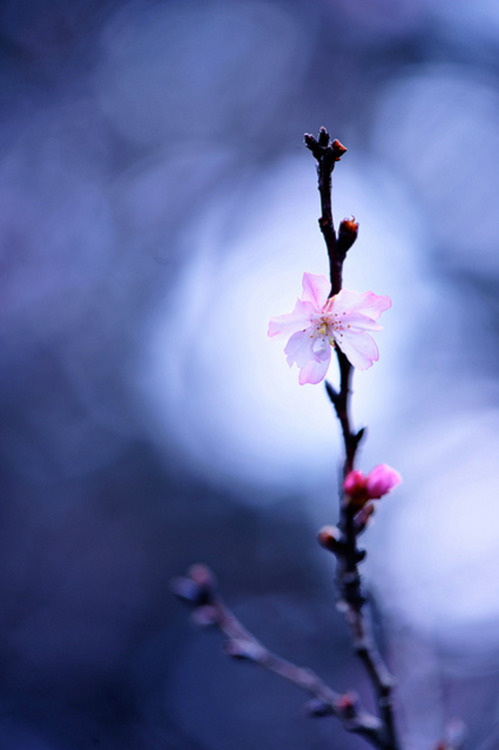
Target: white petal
[299, 319]
[359, 348]
[316, 288]
[357, 321]
[312, 354]
[314, 371]
[300, 348]
[368, 303]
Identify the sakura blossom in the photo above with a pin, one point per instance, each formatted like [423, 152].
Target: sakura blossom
[361, 488]
[319, 322]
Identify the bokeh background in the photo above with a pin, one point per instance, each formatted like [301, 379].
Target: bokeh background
[158, 206]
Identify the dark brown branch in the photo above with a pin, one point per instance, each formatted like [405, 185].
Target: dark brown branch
[348, 579]
[341, 402]
[344, 542]
[327, 154]
[200, 590]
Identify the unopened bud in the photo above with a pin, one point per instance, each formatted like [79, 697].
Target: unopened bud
[198, 588]
[202, 575]
[360, 488]
[329, 538]
[355, 486]
[348, 704]
[381, 480]
[323, 136]
[338, 148]
[318, 708]
[349, 226]
[347, 233]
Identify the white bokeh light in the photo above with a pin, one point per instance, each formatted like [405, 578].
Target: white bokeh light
[449, 152]
[439, 548]
[219, 393]
[216, 384]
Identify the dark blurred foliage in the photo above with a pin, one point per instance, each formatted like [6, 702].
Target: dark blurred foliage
[126, 126]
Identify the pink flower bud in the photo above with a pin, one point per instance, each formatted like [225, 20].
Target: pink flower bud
[355, 483]
[360, 488]
[381, 480]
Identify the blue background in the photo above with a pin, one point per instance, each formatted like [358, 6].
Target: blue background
[157, 208]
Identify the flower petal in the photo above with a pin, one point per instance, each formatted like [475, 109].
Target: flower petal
[312, 355]
[316, 317]
[314, 371]
[316, 288]
[358, 321]
[299, 319]
[299, 348]
[369, 304]
[359, 348]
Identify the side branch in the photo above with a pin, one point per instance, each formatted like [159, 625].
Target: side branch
[199, 590]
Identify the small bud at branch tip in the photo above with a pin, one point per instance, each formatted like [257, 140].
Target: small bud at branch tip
[202, 575]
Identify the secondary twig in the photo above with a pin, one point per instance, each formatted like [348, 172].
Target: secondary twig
[200, 590]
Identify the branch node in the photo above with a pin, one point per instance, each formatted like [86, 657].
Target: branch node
[332, 393]
[359, 435]
[204, 616]
[244, 650]
[318, 708]
[329, 537]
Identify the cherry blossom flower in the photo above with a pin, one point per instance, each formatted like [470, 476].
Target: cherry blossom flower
[320, 322]
[360, 488]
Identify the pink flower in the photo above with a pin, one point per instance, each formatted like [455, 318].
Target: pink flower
[360, 488]
[320, 322]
